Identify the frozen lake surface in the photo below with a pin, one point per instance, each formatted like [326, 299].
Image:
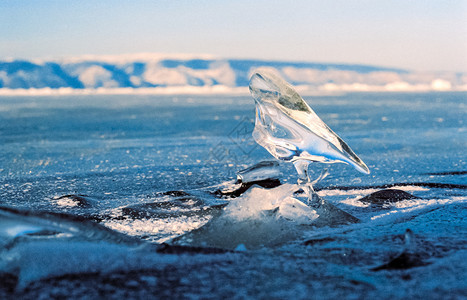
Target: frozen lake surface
[116, 196]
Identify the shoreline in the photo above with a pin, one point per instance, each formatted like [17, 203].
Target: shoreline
[327, 89]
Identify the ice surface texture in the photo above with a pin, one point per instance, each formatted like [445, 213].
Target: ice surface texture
[289, 129]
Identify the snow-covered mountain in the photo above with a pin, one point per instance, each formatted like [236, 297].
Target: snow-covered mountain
[156, 72]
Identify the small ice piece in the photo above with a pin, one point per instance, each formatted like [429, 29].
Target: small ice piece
[18, 230]
[265, 174]
[261, 171]
[289, 129]
[258, 218]
[16, 223]
[292, 209]
[257, 201]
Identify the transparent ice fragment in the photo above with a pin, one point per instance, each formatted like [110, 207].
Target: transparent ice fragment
[289, 129]
[23, 225]
[261, 171]
[295, 210]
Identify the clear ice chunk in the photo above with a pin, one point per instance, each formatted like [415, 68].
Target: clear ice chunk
[290, 130]
[261, 171]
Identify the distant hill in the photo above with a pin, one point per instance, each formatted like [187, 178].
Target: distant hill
[159, 71]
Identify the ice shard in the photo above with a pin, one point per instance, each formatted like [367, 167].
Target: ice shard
[290, 130]
[261, 171]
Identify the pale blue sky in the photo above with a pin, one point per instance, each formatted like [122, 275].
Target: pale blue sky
[419, 35]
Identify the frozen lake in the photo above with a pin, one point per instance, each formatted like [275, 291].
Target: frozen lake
[90, 186]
